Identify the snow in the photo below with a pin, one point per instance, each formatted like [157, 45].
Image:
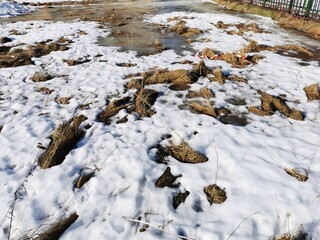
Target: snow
[248, 161]
[10, 8]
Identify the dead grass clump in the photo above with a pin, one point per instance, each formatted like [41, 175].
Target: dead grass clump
[312, 92]
[215, 194]
[167, 179]
[15, 60]
[54, 231]
[42, 49]
[288, 236]
[203, 108]
[182, 30]
[145, 99]
[63, 100]
[203, 93]
[184, 153]
[221, 25]
[84, 177]
[135, 84]
[179, 198]
[63, 140]
[253, 27]
[236, 60]
[209, 53]
[253, 46]
[41, 77]
[113, 108]
[299, 175]
[270, 104]
[72, 62]
[5, 40]
[218, 76]
[45, 90]
[179, 76]
[293, 47]
[236, 78]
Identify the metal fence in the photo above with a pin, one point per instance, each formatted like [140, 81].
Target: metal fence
[303, 8]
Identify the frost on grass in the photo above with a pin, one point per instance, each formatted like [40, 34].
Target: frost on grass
[63, 139]
[215, 194]
[167, 179]
[270, 104]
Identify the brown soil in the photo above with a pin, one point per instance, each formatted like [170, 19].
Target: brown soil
[302, 177]
[270, 104]
[179, 198]
[5, 40]
[167, 179]
[145, 99]
[54, 231]
[63, 139]
[215, 194]
[182, 30]
[233, 119]
[184, 153]
[179, 87]
[312, 92]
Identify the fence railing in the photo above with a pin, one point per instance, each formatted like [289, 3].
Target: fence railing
[303, 8]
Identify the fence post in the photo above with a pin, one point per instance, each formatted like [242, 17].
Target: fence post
[308, 8]
[290, 6]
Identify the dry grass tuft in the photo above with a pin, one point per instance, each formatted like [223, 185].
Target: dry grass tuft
[145, 99]
[253, 46]
[218, 76]
[203, 108]
[299, 175]
[236, 78]
[45, 90]
[63, 139]
[54, 231]
[179, 198]
[84, 177]
[41, 77]
[63, 100]
[184, 153]
[167, 179]
[294, 47]
[203, 93]
[312, 92]
[135, 84]
[179, 76]
[113, 108]
[215, 194]
[288, 236]
[182, 30]
[72, 62]
[270, 104]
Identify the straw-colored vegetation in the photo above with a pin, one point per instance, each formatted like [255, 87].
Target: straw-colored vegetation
[215, 194]
[186, 154]
[285, 20]
[63, 139]
[300, 176]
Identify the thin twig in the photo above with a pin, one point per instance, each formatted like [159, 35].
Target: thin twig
[152, 225]
[241, 224]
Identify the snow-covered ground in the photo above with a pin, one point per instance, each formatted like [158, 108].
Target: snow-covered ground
[247, 161]
[11, 8]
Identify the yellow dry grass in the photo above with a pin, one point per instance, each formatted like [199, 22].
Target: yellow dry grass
[312, 92]
[145, 99]
[203, 92]
[113, 108]
[203, 108]
[297, 174]
[186, 154]
[63, 140]
[215, 194]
